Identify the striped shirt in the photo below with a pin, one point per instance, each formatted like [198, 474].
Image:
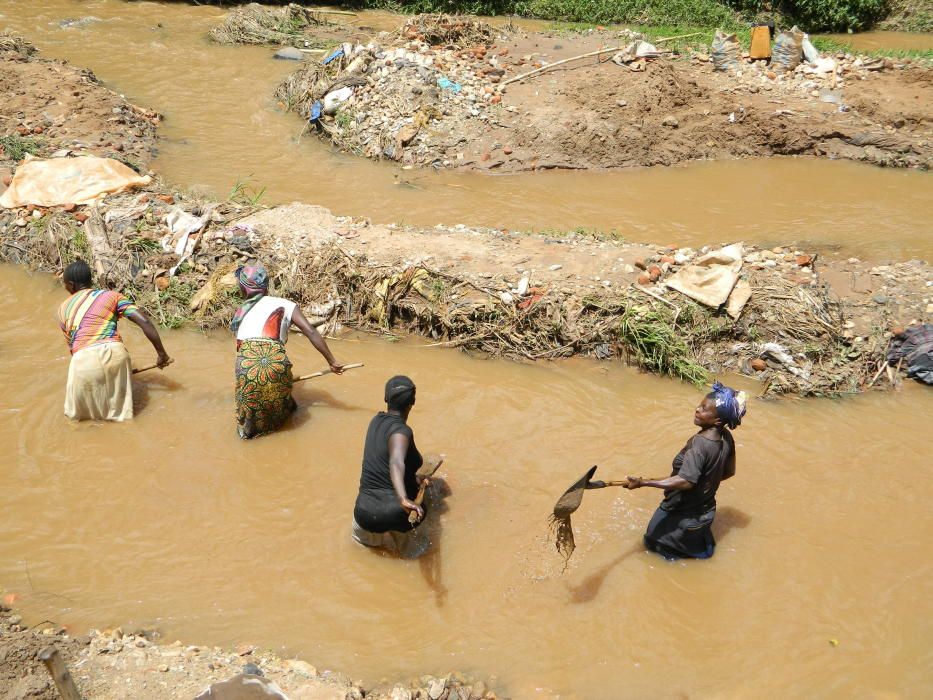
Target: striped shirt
[89, 317]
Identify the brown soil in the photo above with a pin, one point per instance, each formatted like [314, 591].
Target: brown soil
[679, 109]
[117, 664]
[63, 107]
[592, 113]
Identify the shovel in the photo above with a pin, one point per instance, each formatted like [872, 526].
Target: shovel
[323, 372]
[426, 471]
[568, 504]
[147, 368]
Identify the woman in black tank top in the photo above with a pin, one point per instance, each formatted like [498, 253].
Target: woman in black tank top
[390, 460]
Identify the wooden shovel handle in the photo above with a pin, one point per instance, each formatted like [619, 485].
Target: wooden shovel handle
[324, 371]
[148, 367]
[419, 499]
[604, 484]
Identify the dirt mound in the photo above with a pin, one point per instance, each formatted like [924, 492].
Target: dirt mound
[292, 25]
[49, 106]
[9, 42]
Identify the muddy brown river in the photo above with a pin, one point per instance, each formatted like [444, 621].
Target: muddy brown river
[821, 581]
[222, 125]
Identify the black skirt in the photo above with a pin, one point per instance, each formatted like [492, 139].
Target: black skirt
[679, 535]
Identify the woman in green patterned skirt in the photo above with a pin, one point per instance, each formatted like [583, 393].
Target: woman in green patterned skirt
[263, 371]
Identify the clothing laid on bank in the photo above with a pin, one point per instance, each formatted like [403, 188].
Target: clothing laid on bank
[377, 509]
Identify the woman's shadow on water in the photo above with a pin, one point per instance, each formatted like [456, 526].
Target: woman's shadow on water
[727, 518]
[430, 562]
[308, 400]
[143, 389]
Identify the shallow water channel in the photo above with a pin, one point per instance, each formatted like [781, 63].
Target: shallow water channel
[222, 125]
[172, 521]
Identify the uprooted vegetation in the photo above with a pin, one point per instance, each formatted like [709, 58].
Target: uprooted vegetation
[791, 335]
[291, 25]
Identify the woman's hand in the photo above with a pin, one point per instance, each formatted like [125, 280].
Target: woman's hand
[163, 360]
[336, 367]
[634, 482]
[410, 506]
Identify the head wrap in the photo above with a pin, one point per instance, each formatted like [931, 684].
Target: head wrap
[254, 283]
[400, 392]
[730, 405]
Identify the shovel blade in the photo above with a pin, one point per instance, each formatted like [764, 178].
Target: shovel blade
[573, 497]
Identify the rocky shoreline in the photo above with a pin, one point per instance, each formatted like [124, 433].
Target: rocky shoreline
[116, 664]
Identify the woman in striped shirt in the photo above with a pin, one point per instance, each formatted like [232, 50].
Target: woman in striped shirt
[99, 386]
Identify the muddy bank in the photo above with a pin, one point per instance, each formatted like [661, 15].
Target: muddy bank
[805, 326]
[438, 92]
[115, 664]
[50, 106]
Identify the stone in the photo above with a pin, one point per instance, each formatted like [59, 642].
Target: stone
[670, 121]
[644, 279]
[507, 150]
[289, 53]
[759, 365]
[640, 264]
[37, 130]
[70, 207]
[162, 283]
[654, 273]
[7, 179]
[803, 260]
[302, 668]
[621, 103]
[879, 298]
[400, 693]
[81, 216]
[167, 198]
[667, 259]
[436, 688]
[555, 267]
[163, 668]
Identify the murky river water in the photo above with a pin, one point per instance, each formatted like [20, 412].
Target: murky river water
[172, 521]
[222, 125]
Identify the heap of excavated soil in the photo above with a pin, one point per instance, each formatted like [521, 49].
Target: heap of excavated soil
[593, 113]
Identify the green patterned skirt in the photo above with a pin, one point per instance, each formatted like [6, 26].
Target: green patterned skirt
[263, 387]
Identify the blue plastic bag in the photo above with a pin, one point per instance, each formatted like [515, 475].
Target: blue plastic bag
[336, 54]
[316, 110]
[448, 84]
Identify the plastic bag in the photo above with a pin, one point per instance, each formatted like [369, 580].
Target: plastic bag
[788, 50]
[809, 50]
[726, 51]
[58, 181]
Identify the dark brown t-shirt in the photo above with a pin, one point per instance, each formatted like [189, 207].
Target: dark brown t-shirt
[701, 462]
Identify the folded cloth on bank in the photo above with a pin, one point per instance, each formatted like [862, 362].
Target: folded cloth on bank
[59, 181]
[710, 279]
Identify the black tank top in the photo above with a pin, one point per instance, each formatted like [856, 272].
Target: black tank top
[377, 508]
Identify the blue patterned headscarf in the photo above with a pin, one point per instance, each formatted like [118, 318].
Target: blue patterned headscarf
[254, 283]
[730, 405]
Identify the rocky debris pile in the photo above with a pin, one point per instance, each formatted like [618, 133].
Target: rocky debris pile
[407, 97]
[115, 663]
[16, 44]
[291, 25]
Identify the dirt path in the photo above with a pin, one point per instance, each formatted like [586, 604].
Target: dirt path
[423, 101]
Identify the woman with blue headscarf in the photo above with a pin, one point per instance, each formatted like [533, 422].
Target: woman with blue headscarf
[263, 371]
[681, 526]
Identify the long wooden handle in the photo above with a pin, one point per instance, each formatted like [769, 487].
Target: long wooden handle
[604, 484]
[148, 367]
[59, 672]
[419, 499]
[325, 371]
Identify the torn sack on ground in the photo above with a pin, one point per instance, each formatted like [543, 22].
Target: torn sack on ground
[711, 278]
[59, 181]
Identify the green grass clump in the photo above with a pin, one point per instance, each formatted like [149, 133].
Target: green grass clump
[16, 147]
[658, 345]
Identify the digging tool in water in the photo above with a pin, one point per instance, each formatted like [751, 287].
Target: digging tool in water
[146, 369]
[431, 465]
[323, 372]
[567, 504]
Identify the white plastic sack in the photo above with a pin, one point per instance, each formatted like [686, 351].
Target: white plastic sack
[333, 99]
[710, 279]
[59, 181]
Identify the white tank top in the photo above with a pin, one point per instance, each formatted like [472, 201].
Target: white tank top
[254, 324]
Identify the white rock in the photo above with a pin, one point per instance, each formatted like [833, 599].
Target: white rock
[554, 268]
